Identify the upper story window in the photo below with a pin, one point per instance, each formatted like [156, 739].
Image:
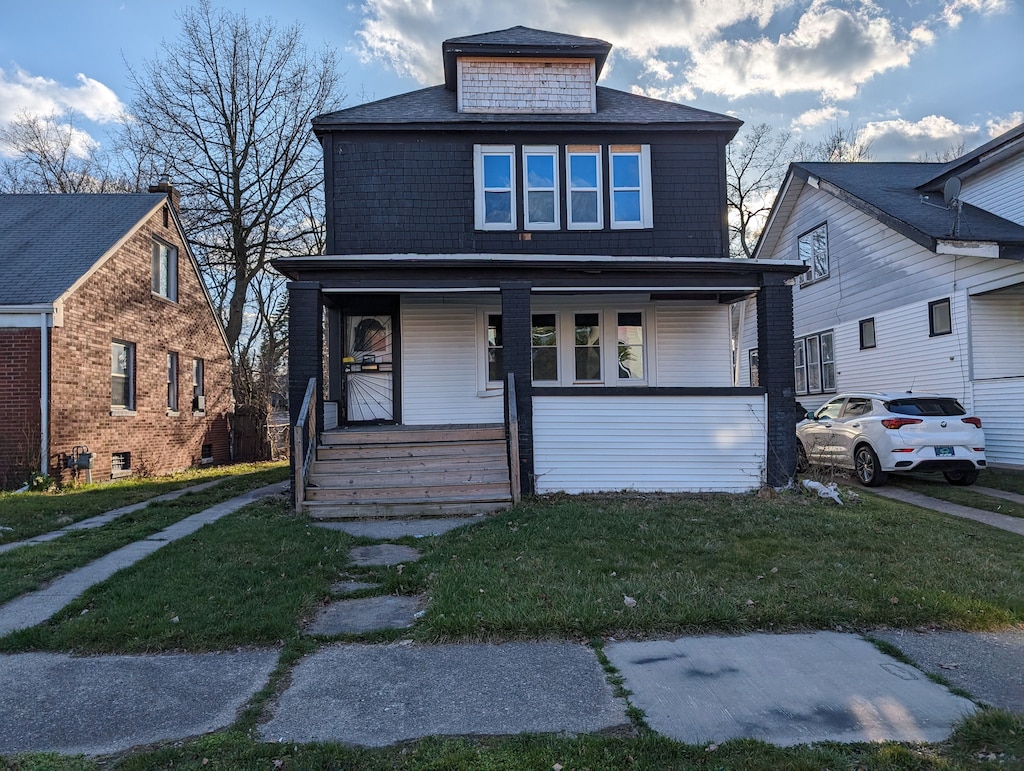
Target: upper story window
[630, 169]
[940, 320]
[540, 187]
[495, 187]
[583, 176]
[165, 270]
[813, 249]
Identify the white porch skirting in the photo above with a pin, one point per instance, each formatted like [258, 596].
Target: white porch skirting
[1000, 405]
[649, 443]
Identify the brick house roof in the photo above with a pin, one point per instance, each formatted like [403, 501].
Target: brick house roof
[49, 240]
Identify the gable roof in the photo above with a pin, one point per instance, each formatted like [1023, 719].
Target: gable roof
[891, 193]
[522, 42]
[437, 107]
[1007, 144]
[48, 241]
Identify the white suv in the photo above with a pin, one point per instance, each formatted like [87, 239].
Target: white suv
[877, 433]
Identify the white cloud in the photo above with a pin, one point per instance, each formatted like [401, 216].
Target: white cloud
[21, 92]
[997, 126]
[814, 118]
[900, 139]
[952, 11]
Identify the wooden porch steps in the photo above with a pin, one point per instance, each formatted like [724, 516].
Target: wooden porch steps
[409, 471]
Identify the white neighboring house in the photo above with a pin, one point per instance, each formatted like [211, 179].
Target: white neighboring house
[905, 292]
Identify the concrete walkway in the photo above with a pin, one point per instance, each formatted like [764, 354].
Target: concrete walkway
[1001, 521]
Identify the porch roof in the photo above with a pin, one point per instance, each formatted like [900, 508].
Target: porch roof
[726, 279]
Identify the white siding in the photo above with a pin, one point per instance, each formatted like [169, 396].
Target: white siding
[999, 190]
[1000, 405]
[440, 365]
[693, 344]
[671, 444]
[997, 329]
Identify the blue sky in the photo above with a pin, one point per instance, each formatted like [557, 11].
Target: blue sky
[918, 76]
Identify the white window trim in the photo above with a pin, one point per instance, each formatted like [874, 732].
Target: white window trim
[613, 320]
[646, 215]
[559, 365]
[602, 345]
[490, 387]
[172, 270]
[821, 363]
[570, 188]
[479, 153]
[550, 151]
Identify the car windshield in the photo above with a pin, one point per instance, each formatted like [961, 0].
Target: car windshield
[926, 406]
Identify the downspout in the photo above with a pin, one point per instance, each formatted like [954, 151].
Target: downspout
[44, 395]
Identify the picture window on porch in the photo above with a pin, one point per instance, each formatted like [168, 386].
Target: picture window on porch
[631, 345]
[814, 364]
[544, 347]
[540, 187]
[940, 320]
[755, 376]
[583, 177]
[495, 187]
[588, 347]
[813, 251]
[495, 364]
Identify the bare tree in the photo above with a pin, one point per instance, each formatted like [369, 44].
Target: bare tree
[227, 114]
[950, 153]
[50, 154]
[755, 165]
[841, 145]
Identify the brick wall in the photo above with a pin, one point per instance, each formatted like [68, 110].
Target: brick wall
[489, 85]
[116, 303]
[19, 405]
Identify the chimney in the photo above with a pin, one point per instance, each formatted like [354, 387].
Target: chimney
[165, 186]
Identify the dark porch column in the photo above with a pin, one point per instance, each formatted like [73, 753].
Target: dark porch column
[517, 358]
[775, 371]
[305, 346]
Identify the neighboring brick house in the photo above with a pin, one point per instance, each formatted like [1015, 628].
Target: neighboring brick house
[108, 339]
[522, 220]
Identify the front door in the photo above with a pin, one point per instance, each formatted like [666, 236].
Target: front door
[368, 372]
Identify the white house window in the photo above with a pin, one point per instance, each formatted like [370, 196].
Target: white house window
[583, 175]
[813, 249]
[630, 193]
[165, 270]
[814, 365]
[122, 375]
[495, 365]
[544, 347]
[867, 333]
[198, 385]
[495, 187]
[587, 348]
[172, 381]
[940, 320]
[540, 187]
[631, 345]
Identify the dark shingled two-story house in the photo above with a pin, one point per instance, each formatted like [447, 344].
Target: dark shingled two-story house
[522, 253]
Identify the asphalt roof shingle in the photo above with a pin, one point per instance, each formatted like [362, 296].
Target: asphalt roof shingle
[49, 240]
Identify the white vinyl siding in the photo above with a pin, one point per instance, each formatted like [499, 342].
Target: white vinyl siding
[644, 443]
[694, 338]
[1000, 405]
[441, 365]
[999, 190]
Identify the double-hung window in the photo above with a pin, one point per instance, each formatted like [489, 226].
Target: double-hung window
[172, 381]
[631, 345]
[495, 361]
[630, 186]
[544, 347]
[813, 250]
[122, 375]
[587, 347]
[198, 385]
[165, 270]
[814, 364]
[583, 176]
[540, 187]
[494, 167]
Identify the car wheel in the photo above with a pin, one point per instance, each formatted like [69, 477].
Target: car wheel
[801, 457]
[961, 478]
[869, 470]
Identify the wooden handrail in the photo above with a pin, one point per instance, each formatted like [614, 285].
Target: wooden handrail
[513, 439]
[303, 446]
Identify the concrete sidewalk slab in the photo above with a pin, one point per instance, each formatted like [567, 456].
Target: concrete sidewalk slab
[379, 695]
[389, 529]
[96, 705]
[991, 518]
[784, 689]
[988, 665]
[383, 554]
[366, 614]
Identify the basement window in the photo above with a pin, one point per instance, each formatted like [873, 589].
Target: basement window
[120, 465]
[206, 454]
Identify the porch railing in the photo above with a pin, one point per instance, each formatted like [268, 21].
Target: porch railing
[304, 442]
[512, 410]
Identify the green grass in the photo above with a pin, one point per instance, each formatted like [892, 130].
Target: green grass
[988, 734]
[26, 568]
[32, 513]
[937, 487]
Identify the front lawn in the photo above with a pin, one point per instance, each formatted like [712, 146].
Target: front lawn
[937, 487]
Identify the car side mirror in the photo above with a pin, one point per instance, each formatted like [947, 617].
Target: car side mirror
[810, 415]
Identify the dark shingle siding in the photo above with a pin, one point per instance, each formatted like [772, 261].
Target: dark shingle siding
[49, 241]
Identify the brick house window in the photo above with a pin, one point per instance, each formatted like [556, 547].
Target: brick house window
[122, 375]
[583, 180]
[198, 385]
[540, 188]
[494, 167]
[206, 456]
[940, 320]
[812, 248]
[172, 381]
[120, 464]
[814, 363]
[630, 186]
[165, 270]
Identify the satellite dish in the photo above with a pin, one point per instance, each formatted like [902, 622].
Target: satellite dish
[951, 192]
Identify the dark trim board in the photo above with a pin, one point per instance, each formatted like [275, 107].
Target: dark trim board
[646, 391]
